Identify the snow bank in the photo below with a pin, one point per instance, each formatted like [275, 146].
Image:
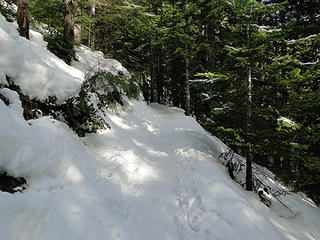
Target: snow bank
[38, 72]
[34, 148]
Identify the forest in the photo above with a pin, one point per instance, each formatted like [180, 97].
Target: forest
[248, 71]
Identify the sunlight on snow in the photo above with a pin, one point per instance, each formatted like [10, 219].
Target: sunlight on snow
[136, 169]
[74, 175]
[150, 150]
[150, 128]
[191, 153]
[119, 122]
[309, 201]
[131, 166]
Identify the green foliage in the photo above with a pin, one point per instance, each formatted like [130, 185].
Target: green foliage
[60, 48]
[49, 12]
[109, 88]
[83, 113]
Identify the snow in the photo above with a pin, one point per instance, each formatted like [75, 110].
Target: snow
[309, 63]
[212, 80]
[293, 41]
[14, 100]
[12, 7]
[286, 120]
[155, 175]
[207, 96]
[38, 72]
[233, 48]
[266, 28]
[93, 61]
[37, 38]
[3, 79]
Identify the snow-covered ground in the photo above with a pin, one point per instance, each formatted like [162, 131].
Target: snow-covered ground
[154, 175]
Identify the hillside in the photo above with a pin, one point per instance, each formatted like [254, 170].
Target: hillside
[156, 174]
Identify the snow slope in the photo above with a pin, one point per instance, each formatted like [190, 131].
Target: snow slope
[154, 175]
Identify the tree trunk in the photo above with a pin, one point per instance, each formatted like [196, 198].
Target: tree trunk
[187, 85]
[249, 185]
[69, 7]
[152, 77]
[92, 35]
[23, 17]
[159, 74]
[187, 99]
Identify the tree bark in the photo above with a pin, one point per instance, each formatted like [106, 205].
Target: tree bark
[187, 84]
[69, 19]
[23, 17]
[187, 74]
[159, 75]
[152, 78]
[249, 185]
[92, 35]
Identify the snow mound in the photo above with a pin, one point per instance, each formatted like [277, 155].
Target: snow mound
[38, 72]
[94, 61]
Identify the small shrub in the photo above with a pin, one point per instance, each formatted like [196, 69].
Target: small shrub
[11, 184]
[84, 112]
[101, 90]
[81, 115]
